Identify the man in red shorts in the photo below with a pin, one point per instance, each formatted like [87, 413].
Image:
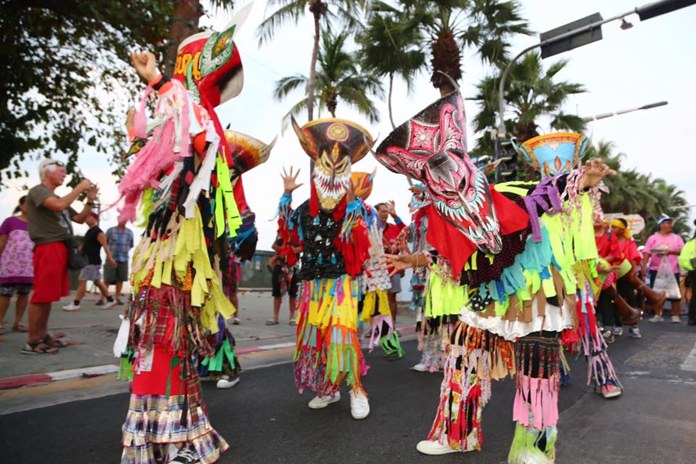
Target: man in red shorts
[47, 218]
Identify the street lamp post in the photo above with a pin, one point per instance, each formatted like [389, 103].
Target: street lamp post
[589, 31]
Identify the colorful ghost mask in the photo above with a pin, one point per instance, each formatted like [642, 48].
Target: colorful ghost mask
[209, 65]
[431, 148]
[362, 184]
[555, 153]
[334, 145]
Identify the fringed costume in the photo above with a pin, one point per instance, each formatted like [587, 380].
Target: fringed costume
[181, 177]
[506, 258]
[335, 244]
[375, 278]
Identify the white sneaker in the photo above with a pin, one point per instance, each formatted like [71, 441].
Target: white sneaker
[634, 332]
[420, 367]
[320, 402]
[676, 320]
[110, 304]
[359, 406]
[656, 318]
[71, 307]
[184, 456]
[225, 382]
[434, 448]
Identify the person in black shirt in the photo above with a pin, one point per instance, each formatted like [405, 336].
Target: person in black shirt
[92, 244]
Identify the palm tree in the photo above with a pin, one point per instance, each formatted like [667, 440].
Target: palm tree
[445, 27]
[345, 12]
[383, 29]
[632, 192]
[338, 78]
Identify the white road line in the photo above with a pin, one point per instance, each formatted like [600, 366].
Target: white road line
[689, 363]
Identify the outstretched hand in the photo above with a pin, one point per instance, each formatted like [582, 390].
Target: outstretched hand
[399, 263]
[290, 180]
[595, 171]
[144, 63]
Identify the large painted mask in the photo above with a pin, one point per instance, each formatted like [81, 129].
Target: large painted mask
[209, 65]
[555, 153]
[362, 183]
[334, 145]
[247, 152]
[431, 148]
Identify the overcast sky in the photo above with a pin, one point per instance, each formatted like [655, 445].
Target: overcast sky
[653, 61]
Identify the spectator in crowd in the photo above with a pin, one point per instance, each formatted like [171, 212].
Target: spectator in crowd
[664, 244]
[623, 252]
[16, 268]
[48, 217]
[284, 279]
[119, 240]
[390, 233]
[92, 244]
[687, 261]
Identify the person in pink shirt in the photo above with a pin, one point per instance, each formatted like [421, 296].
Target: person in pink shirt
[664, 244]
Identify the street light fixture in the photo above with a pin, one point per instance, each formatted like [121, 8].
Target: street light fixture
[579, 33]
[620, 112]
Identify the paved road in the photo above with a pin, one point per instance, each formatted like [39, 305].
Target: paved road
[265, 421]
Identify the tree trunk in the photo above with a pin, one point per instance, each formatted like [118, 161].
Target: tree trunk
[389, 101]
[316, 9]
[184, 23]
[446, 63]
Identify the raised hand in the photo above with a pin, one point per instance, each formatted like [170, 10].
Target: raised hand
[290, 180]
[595, 171]
[144, 63]
[391, 208]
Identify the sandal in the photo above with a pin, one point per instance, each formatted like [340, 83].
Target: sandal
[39, 347]
[292, 322]
[19, 328]
[55, 342]
[271, 322]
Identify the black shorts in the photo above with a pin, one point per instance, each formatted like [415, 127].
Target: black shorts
[275, 282]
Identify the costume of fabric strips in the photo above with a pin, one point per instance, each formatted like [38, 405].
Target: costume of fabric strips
[181, 178]
[334, 237]
[508, 260]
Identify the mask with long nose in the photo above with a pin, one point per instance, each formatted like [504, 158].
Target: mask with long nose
[334, 144]
[431, 148]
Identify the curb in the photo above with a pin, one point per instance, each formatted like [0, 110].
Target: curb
[8, 383]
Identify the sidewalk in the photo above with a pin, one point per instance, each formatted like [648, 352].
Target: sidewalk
[92, 330]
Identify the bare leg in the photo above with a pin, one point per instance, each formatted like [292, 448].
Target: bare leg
[4, 304]
[38, 321]
[392, 305]
[20, 308]
[119, 287]
[276, 307]
[234, 298]
[81, 290]
[103, 289]
[293, 306]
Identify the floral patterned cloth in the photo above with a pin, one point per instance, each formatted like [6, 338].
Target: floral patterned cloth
[16, 259]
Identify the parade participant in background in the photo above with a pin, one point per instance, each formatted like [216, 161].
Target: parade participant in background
[284, 278]
[181, 178]
[247, 153]
[663, 245]
[623, 253]
[335, 246]
[687, 261]
[390, 235]
[92, 243]
[48, 218]
[514, 262]
[120, 240]
[374, 304]
[16, 268]
[433, 323]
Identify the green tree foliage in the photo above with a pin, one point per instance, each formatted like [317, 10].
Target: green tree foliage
[65, 76]
[633, 192]
[345, 13]
[339, 78]
[445, 27]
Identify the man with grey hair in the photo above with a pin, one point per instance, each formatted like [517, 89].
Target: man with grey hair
[48, 217]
